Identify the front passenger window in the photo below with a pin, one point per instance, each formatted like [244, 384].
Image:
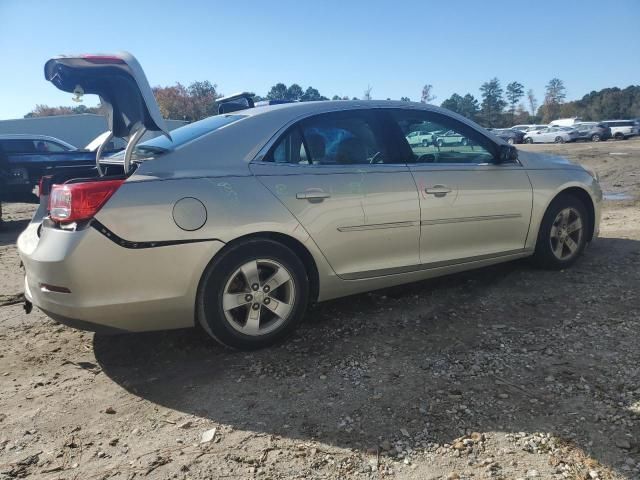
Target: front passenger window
[441, 139]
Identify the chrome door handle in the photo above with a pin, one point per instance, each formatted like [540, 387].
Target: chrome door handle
[312, 195]
[437, 190]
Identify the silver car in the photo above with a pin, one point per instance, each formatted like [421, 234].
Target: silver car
[551, 135]
[239, 221]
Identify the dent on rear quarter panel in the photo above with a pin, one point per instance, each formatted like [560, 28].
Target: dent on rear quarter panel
[235, 205]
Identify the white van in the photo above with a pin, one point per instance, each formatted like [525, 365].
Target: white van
[565, 122]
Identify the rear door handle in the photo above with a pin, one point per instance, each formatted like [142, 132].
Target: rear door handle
[312, 195]
[437, 190]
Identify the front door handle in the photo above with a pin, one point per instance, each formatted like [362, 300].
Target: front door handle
[312, 195]
[437, 190]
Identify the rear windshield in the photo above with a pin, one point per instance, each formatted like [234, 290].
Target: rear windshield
[182, 135]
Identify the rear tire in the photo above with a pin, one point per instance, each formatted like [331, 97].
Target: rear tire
[511, 141]
[619, 136]
[528, 140]
[563, 233]
[559, 140]
[595, 137]
[253, 295]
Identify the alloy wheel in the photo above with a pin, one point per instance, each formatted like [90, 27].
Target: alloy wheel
[258, 297]
[566, 234]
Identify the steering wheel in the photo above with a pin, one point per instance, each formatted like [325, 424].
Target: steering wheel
[375, 158]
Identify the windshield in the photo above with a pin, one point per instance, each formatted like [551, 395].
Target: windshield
[159, 145]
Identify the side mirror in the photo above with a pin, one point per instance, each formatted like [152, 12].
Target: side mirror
[507, 154]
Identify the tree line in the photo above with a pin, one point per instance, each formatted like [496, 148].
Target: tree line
[496, 107]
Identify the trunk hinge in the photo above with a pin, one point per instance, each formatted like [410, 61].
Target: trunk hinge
[131, 145]
[99, 152]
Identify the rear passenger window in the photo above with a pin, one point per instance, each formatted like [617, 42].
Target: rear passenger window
[343, 138]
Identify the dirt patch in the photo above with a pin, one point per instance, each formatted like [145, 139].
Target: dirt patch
[505, 372]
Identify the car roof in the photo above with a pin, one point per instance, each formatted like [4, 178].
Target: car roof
[28, 136]
[291, 112]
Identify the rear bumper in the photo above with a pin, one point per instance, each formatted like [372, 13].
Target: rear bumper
[112, 288]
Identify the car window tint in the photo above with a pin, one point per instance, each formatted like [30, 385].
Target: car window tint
[290, 149]
[442, 139]
[55, 147]
[18, 146]
[344, 138]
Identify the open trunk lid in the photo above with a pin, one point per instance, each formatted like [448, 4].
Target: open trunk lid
[119, 81]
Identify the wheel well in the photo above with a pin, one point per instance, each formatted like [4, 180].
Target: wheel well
[585, 198]
[298, 248]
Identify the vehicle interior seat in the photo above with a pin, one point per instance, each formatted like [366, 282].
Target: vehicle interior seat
[351, 151]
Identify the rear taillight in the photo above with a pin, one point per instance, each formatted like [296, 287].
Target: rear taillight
[74, 202]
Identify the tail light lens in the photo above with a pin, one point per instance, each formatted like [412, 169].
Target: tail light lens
[74, 202]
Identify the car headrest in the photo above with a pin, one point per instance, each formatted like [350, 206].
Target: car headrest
[316, 145]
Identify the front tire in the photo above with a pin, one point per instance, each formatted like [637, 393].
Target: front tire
[253, 295]
[563, 233]
[511, 141]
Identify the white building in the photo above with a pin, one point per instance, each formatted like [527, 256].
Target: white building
[78, 130]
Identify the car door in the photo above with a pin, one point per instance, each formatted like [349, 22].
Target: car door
[336, 175]
[471, 207]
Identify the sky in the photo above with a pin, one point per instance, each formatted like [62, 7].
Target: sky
[338, 47]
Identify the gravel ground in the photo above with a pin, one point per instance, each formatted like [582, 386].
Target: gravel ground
[506, 372]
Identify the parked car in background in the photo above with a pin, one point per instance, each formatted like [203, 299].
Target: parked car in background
[241, 245]
[593, 131]
[423, 138]
[23, 143]
[622, 129]
[509, 135]
[25, 158]
[550, 135]
[565, 122]
[449, 137]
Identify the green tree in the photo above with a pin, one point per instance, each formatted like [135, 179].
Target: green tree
[277, 92]
[294, 92]
[203, 96]
[405, 99]
[555, 93]
[492, 103]
[515, 91]
[466, 106]
[311, 95]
